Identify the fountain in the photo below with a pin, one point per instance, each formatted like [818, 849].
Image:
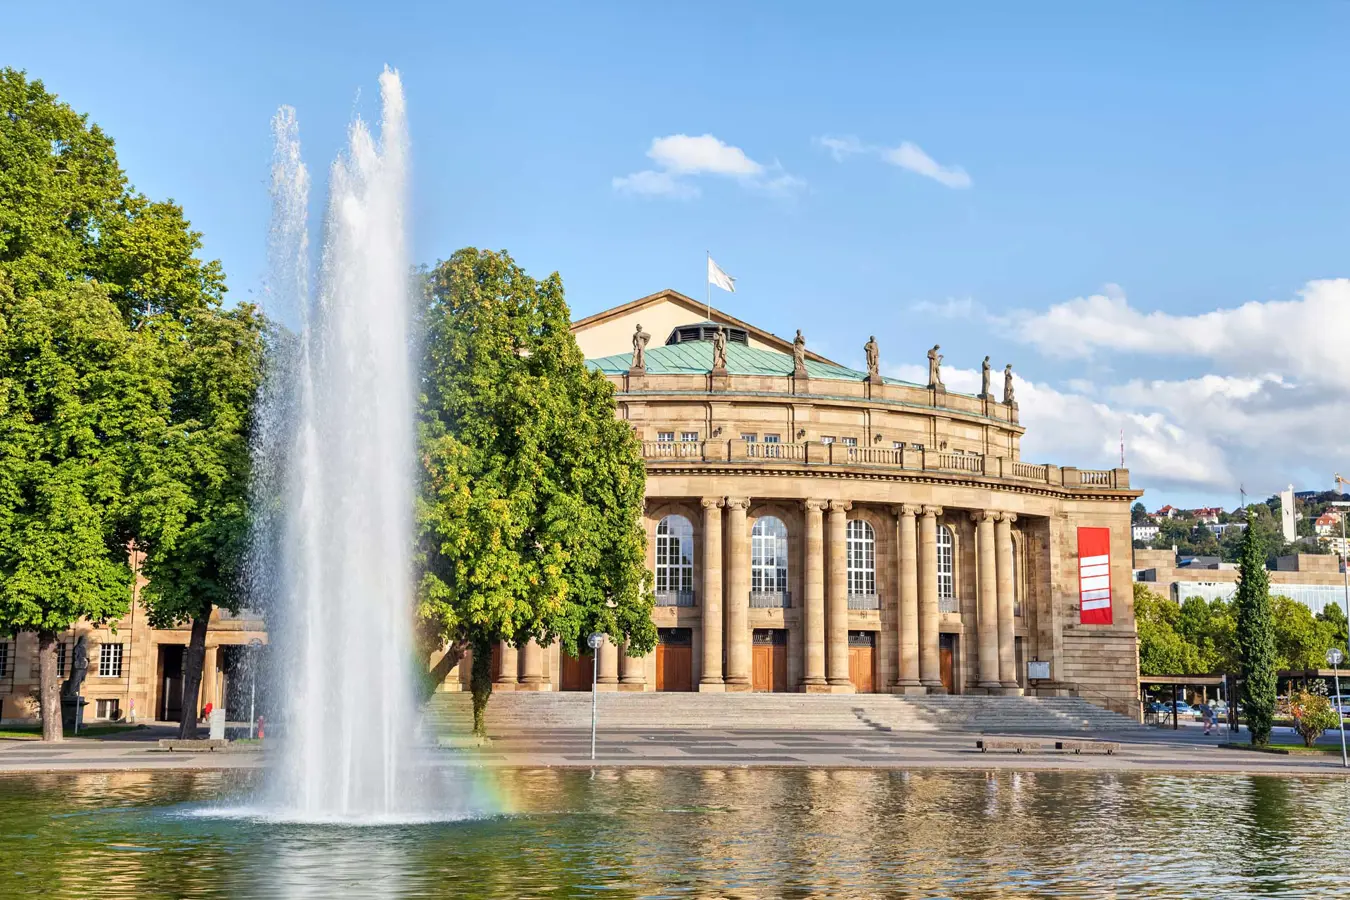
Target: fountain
[336, 454]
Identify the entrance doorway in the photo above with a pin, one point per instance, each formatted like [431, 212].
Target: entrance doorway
[169, 667]
[674, 659]
[862, 661]
[947, 661]
[769, 665]
[576, 672]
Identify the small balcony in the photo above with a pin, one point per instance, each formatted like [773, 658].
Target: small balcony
[864, 601]
[948, 605]
[674, 598]
[770, 599]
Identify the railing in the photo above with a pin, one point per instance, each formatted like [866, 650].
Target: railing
[770, 599]
[864, 601]
[674, 598]
[814, 453]
[948, 605]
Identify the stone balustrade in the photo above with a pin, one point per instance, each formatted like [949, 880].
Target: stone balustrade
[813, 453]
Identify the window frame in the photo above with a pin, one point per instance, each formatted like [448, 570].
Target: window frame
[769, 556]
[674, 572]
[946, 564]
[860, 543]
[110, 657]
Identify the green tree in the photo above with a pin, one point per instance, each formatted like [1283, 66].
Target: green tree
[1138, 514]
[1210, 628]
[1313, 715]
[1256, 638]
[529, 518]
[1162, 650]
[190, 486]
[123, 396]
[1301, 640]
[1332, 617]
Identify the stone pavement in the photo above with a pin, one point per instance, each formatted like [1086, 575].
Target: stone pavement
[1142, 750]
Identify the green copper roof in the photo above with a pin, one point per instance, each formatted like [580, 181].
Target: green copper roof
[695, 358]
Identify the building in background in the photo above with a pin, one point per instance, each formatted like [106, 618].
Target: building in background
[1314, 580]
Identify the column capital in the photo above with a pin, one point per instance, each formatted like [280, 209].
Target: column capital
[814, 505]
[906, 509]
[840, 506]
[737, 503]
[931, 511]
[1008, 517]
[710, 502]
[982, 515]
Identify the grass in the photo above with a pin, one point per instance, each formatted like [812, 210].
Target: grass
[33, 732]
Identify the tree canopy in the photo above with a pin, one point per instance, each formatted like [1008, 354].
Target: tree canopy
[529, 519]
[1256, 638]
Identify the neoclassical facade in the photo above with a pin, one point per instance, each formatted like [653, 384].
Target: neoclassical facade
[821, 529]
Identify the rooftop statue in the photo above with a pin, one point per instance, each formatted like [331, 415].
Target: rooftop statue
[799, 354]
[640, 339]
[1008, 396]
[873, 356]
[720, 349]
[984, 380]
[935, 368]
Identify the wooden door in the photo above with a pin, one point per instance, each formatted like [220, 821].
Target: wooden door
[576, 673]
[862, 661]
[769, 660]
[675, 659]
[945, 662]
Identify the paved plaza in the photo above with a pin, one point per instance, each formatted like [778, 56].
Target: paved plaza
[1141, 750]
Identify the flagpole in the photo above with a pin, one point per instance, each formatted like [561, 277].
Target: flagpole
[707, 285]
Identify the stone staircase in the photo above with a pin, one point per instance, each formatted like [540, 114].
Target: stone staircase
[515, 712]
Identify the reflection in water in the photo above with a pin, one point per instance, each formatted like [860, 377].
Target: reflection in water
[736, 832]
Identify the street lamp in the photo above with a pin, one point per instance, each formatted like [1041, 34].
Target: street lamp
[254, 645]
[594, 642]
[1335, 657]
[1345, 566]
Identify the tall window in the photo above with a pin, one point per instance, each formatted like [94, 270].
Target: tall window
[674, 555]
[110, 660]
[862, 558]
[4, 659]
[768, 556]
[946, 565]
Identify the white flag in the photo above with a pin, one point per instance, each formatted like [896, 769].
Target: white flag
[719, 278]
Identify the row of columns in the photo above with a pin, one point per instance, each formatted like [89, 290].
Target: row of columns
[825, 605]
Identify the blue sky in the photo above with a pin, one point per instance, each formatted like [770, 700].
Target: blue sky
[1106, 180]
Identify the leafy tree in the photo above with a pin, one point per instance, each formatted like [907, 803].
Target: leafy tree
[1209, 626]
[1256, 638]
[1138, 514]
[1332, 618]
[1301, 640]
[1313, 715]
[532, 490]
[122, 388]
[191, 485]
[1162, 651]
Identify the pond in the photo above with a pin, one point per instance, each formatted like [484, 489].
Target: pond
[691, 833]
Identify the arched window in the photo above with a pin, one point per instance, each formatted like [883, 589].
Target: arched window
[946, 569]
[769, 557]
[862, 562]
[674, 562]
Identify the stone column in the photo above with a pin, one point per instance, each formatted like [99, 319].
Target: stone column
[1007, 653]
[987, 620]
[738, 597]
[532, 674]
[711, 679]
[210, 684]
[508, 676]
[907, 580]
[607, 678]
[929, 672]
[813, 607]
[633, 671]
[836, 594]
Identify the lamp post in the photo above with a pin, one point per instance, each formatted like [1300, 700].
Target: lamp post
[594, 642]
[1345, 567]
[1335, 657]
[253, 645]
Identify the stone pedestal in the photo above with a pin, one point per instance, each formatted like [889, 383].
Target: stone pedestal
[633, 671]
[532, 666]
[607, 677]
[72, 713]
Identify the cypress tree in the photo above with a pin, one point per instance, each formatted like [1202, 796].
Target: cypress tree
[1256, 638]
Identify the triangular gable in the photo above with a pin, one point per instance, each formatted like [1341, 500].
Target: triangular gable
[610, 331]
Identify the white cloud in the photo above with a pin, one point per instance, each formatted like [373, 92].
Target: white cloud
[681, 157]
[951, 308]
[911, 157]
[908, 156]
[655, 184]
[1271, 410]
[1303, 337]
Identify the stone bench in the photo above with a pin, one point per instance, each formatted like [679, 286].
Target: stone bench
[987, 744]
[194, 746]
[1107, 747]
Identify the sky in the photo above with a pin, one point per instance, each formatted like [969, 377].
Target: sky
[1142, 207]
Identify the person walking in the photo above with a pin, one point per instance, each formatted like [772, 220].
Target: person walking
[1207, 716]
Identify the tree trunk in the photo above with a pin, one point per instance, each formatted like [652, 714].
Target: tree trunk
[193, 662]
[49, 687]
[480, 683]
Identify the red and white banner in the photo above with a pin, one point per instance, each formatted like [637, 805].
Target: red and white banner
[1094, 576]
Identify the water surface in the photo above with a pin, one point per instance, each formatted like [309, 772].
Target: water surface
[693, 833]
